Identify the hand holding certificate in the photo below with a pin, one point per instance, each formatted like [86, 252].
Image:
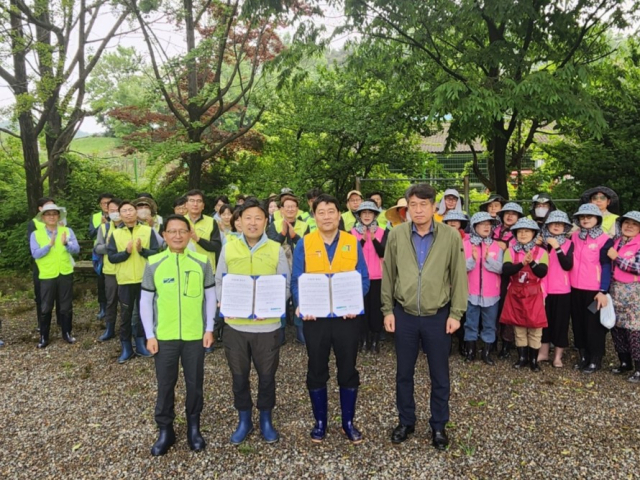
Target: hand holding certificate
[244, 296]
[335, 295]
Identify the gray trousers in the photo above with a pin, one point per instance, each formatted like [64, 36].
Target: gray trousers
[264, 349]
[170, 354]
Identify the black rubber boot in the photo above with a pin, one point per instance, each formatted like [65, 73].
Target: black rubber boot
[626, 364]
[533, 359]
[635, 378]
[194, 438]
[166, 438]
[506, 350]
[470, 348]
[486, 354]
[375, 343]
[582, 359]
[523, 357]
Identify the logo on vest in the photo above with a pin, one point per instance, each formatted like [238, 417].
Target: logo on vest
[628, 254]
[593, 246]
[168, 280]
[346, 248]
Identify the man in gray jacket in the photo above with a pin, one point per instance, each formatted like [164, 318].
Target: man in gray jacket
[424, 295]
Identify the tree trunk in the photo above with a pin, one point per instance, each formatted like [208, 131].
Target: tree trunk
[500, 165]
[194, 161]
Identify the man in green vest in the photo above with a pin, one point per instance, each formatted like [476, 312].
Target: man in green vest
[109, 269]
[256, 341]
[98, 219]
[52, 247]
[128, 248]
[307, 217]
[177, 306]
[205, 232]
[354, 199]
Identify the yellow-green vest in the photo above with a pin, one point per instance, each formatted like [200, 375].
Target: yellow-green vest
[131, 270]
[179, 283]
[58, 261]
[38, 224]
[263, 261]
[300, 227]
[108, 268]
[349, 220]
[203, 229]
[309, 220]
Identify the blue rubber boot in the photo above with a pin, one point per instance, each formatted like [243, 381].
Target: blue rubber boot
[245, 427]
[348, 398]
[300, 335]
[269, 433]
[127, 351]
[141, 349]
[319, 406]
[103, 311]
[109, 333]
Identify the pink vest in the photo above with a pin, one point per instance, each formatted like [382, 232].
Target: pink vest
[557, 280]
[482, 282]
[627, 252]
[587, 272]
[505, 235]
[371, 258]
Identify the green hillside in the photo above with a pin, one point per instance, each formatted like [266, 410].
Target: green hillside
[102, 147]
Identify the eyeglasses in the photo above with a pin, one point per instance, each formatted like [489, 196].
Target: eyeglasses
[195, 200]
[50, 214]
[599, 197]
[177, 232]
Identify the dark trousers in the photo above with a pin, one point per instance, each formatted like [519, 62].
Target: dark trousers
[411, 332]
[170, 354]
[372, 320]
[38, 296]
[627, 342]
[129, 296]
[323, 334]
[57, 290]
[111, 295]
[588, 333]
[558, 307]
[240, 349]
[102, 295]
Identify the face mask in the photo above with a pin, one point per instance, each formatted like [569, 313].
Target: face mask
[541, 212]
[114, 216]
[144, 213]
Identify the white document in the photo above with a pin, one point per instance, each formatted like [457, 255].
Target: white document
[346, 293]
[314, 295]
[237, 296]
[333, 295]
[270, 299]
[244, 296]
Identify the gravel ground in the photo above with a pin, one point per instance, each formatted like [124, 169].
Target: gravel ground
[71, 411]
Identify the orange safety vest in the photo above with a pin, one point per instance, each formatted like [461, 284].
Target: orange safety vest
[317, 261]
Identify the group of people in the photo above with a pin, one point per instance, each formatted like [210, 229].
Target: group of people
[427, 272]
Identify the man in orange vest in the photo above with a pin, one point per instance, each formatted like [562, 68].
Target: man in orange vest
[330, 250]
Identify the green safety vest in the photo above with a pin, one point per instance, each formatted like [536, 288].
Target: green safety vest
[38, 224]
[204, 228]
[108, 268]
[179, 300]
[309, 220]
[131, 270]
[263, 261]
[349, 221]
[299, 227]
[58, 261]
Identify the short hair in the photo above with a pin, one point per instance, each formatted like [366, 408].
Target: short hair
[105, 195]
[376, 193]
[125, 202]
[144, 195]
[289, 197]
[422, 191]
[115, 201]
[224, 199]
[178, 202]
[240, 197]
[173, 216]
[44, 200]
[234, 218]
[224, 207]
[195, 193]
[325, 198]
[252, 203]
[313, 193]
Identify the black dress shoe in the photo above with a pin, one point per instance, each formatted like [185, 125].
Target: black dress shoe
[43, 342]
[68, 338]
[401, 433]
[439, 439]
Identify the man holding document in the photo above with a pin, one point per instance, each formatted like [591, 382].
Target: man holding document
[252, 282]
[328, 282]
[424, 294]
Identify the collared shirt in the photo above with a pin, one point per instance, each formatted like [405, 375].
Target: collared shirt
[38, 252]
[298, 267]
[422, 243]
